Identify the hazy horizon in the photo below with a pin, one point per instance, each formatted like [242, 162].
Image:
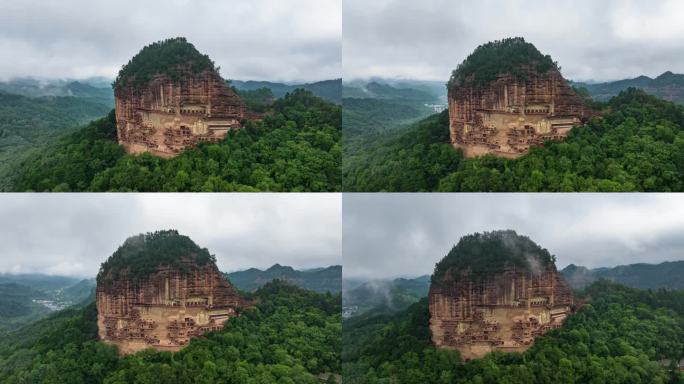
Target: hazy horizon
[224, 271]
[405, 235]
[255, 39]
[72, 234]
[592, 41]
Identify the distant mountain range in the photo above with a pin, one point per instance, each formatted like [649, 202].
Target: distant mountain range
[330, 90]
[100, 89]
[360, 88]
[322, 280]
[25, 298]
[97, 89]
[669, 275]
[386, 296]
[668, 86]
[384, 91]
[383, 295]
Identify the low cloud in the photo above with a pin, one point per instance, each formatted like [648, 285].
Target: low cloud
[71, 234]
[390, 235]
[591, 40]
[297, 40]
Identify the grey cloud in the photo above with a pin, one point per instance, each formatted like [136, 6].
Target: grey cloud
[297, 40]
[71, 234]
[390, 235]
[591, 40]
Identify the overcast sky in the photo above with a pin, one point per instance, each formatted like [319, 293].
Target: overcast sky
[391, 235]
[71, 234]
[591, 40]
[293, 40]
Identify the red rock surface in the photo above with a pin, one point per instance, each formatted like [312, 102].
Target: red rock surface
[508, 115]
[164, 116]
[166, 309]
[503, 312]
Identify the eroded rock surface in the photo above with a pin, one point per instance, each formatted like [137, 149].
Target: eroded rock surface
[164, 116]
[505, 312]
[166, 307]
[506, 97]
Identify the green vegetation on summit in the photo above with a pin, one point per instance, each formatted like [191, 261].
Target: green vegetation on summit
[163, 58]
[509, 56]
[488, 253]
[290, 336]
[141, 255]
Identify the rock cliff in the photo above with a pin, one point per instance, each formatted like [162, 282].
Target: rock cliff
[506, 97]
[496, 291]
[169, 97]
[159, 290]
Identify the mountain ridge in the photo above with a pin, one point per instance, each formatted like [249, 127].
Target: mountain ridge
[327, 279]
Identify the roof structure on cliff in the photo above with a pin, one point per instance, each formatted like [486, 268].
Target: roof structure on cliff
[485, 254]
[142, 255]
[501, 56]
[164, 57]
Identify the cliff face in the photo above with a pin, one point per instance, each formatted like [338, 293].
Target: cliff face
[508, 115]
[164, 306]
[505, 311]
[164, 116]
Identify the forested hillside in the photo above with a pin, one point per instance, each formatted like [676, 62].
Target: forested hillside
[294, 148]
[290, 336]
[622, 335]
[330, 90]
[666, 275]
[319, 280]
[668, 86]
[27, 298]
[27, 123]
[384, 295]
[636, 145]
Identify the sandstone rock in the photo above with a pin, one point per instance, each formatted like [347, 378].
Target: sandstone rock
[165, 308]
[504, 310]
[512, 111]
[171, 111]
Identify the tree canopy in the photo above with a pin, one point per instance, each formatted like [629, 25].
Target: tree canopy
[509, 55]
[295, 147]
[290, 336]
[141, 255]
[636, 145]
[163, 57]
[488, 253]
[622, 336]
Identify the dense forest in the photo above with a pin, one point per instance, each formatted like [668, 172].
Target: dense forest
[140, 256]
[26, 123]
[163, 57]
[290, 336]
[636, 145]
[502, 56]
[294, 148]
[488, 253]
[622, 335]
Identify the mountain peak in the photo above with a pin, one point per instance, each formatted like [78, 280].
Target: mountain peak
[163, 57]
